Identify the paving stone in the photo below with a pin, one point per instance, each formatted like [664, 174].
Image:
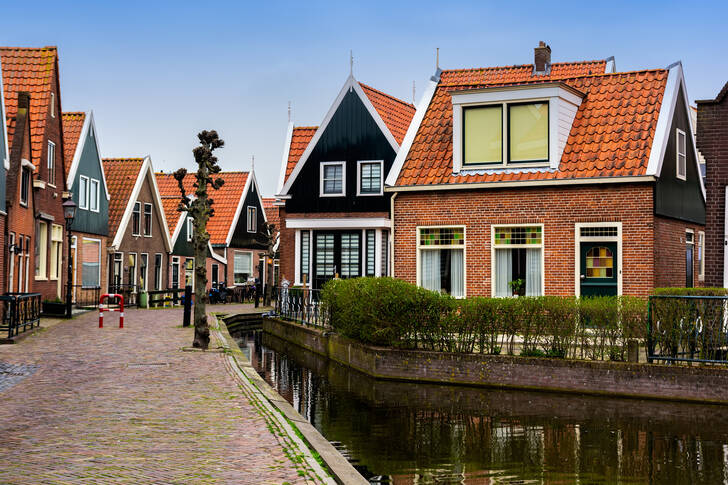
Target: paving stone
[87, 405]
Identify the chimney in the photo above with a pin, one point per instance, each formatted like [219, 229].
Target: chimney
[541, 59]
[23, 100]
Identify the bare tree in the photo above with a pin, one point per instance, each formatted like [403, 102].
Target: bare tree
[199, 207]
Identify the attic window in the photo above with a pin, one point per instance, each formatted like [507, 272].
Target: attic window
[681, 155]
[53, 105]
[252, 219]
[333, 176]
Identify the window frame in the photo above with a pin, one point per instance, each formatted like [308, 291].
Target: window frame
[684, 175]
[190, 227]
[158, 271]
[51, 163]
[144, 257]
[418, 250]
[91, 199]
[701, 255]
[359, 166]
[25, 178]
[494, 247]
[150, 219]
[251, 222]
[133, 278]
[578, 239]
[252, 266]
[506, 135]
[322, 170]
[83, 194]
[84, 238]
[41, 244]
[136, 213]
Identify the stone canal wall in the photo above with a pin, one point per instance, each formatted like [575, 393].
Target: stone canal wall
[653, 381]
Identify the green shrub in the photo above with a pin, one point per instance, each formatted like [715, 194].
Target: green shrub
[706, 291]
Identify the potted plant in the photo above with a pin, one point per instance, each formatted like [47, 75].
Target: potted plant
[143, 295]
[56, 307]
[518, 287]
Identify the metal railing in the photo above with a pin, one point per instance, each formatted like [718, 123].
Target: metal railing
[171, 295]
[20, 312]
[687, 329]
[302, 305]
[84, 296]
[130, 293]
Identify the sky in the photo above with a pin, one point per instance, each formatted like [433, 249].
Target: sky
[157, 73]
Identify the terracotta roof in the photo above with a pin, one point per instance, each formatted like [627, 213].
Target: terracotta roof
[395, 113]
[31, 70]
[611, 134]
[225, 206]
[72, 126]
[121, 175]
[299, 141]
[272, 212]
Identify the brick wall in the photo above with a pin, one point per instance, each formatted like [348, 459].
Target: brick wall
[3, 255]
[670, 253]
[559, 209]
[712, 141]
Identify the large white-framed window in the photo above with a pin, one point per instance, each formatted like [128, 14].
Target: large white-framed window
[147, 220]
[118, 269]
[136, 219]
[133, 271]
[190, 228]
[333, 179]
[83, 192]
[90, 262]
[93, 202]
[701, 256]
[689, 257]
[591, 232]
[51, 163]
[242, 266]
[369, 177]
[11, 272]
[158, 271]
[517, 260]
[56, 248]
[441, 259]
[175, 271]
[252, 221]
[41, 249]
[681, 158]
[143, 271]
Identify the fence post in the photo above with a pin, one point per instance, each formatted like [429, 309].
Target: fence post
[188, 306]
[649, 331]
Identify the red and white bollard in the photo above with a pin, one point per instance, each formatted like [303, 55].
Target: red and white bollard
[102, 309]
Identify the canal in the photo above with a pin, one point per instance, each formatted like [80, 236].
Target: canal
[405, 433]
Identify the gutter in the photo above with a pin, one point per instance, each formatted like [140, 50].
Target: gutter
[525, 183]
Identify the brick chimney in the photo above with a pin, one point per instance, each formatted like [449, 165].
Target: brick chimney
[23, 100]
[541, 59]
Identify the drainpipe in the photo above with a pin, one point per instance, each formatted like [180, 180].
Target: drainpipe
[391, 232]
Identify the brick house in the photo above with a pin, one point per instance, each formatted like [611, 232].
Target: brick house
[272, 213]
[4, 168]
[237, 229]
[712, 131]
[335, 216]
[549, 179]
[86, 183]
[140, 243]
[35, 71]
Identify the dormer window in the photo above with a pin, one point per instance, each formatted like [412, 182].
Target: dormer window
[512, 127]
[333, 176]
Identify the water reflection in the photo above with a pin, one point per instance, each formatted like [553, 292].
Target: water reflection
[402, 433]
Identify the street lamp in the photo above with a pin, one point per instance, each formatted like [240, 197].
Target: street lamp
[69, 212]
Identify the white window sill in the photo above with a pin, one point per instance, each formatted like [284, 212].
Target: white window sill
[41, 278]
[332, 195]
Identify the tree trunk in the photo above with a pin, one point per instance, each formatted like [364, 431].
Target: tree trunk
[202, 330]
[268, 281]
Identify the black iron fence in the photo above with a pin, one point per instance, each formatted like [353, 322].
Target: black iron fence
[301, 305]
[129, 292]
[171, 296]
[687, 329]
[84, 296]
[20, 312]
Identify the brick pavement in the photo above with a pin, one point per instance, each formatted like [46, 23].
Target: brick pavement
[128, 406]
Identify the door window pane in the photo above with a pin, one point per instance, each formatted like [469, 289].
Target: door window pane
[599, 263]
[483, 134]
[371, 253]
[325, 265]
[305, 255]
[350, 255]
[528, 126]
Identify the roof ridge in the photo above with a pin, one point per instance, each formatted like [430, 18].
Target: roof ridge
[73, 113]
[123, 159]
[511, 66]
[310, 127]
[394, 98]
[44, 48]
[560, 79]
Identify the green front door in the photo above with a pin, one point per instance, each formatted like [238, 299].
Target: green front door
[599, 268]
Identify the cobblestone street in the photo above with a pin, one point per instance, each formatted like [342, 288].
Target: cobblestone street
[87, 405]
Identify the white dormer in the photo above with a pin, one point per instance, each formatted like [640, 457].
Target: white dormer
[512, 127]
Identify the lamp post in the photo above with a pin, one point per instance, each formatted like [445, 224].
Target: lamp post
[69, 212]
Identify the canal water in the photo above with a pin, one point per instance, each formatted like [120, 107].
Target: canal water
[405, 433]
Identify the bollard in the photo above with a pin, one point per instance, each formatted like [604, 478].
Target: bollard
[101, 315]
[188, 306]
[633, 351]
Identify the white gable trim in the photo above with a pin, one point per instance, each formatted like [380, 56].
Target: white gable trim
[88, 124]
[178, 228]
[284, 160]
[349, 85]
[675, 81]
[6, 162]
[412, 130]
[239, 209]
[214, 255]
[146, 171]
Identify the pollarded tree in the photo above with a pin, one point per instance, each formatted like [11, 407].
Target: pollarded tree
[199, 206]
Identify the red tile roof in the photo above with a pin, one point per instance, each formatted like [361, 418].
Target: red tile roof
[611, 134]
[272, 212]
[121, 175]
[72, 126]
[30, 70]
[226, 200]
[395, 113]
[299, 141]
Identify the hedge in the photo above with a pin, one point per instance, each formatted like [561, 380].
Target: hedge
[391, 312]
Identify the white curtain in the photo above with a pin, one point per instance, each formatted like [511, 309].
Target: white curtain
[533, 272]
[430, 269]
[503, 272]
[456, 273]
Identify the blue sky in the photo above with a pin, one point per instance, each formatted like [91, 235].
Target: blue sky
[156, 73]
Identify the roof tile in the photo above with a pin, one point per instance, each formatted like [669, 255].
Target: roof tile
[72, 126]
[121, 175]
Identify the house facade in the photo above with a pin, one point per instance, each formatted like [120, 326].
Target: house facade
[35, 71]
[139, 245]
[236, 229]
[86, 183]
[549, 179]
[712, 140]
[334, 213]
[4, 168]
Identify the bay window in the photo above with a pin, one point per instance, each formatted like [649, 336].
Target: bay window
[517, 267]
[441, 254]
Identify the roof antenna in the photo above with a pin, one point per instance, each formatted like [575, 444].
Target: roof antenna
[413, 92]
[289, 111]
[351, 63]
[437, 59]
[252, 164]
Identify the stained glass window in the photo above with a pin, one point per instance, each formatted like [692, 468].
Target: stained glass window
[599, 263]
